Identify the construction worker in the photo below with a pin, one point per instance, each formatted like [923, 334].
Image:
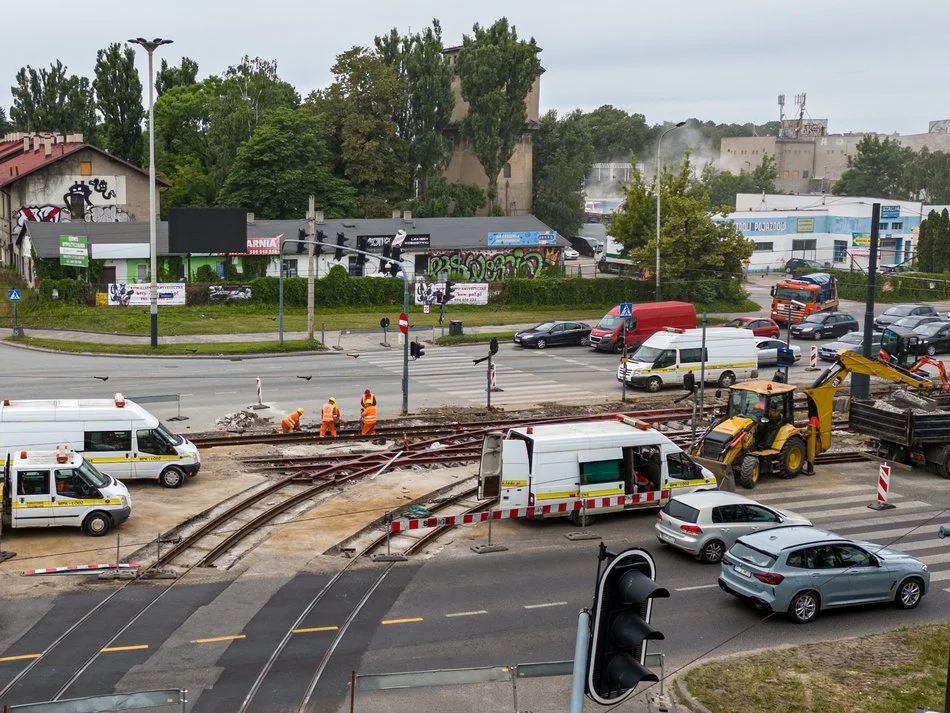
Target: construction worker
[329, 417]
[291, 422]
[368, 417]
[368, 399]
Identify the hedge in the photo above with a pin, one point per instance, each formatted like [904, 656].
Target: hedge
[903, 287]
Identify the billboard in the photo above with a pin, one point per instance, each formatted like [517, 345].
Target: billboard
[464, 293]
[522, 238]
[207, 230]
[123, 294]
[74, 250]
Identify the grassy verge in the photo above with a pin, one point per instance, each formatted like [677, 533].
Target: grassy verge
[474, 338]
[215, 349]
[882, 673]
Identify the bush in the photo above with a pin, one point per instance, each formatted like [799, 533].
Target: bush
[69, 291]
[904, 287]
[206, 274]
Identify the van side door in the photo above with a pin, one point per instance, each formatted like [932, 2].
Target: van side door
[151, 452]
[110, 450]
[69, 490]
[31, 498]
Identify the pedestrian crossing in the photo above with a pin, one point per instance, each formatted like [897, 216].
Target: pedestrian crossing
[451, 372]
[911, 527]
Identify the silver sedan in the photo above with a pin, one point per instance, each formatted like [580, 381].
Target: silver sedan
[768, 351]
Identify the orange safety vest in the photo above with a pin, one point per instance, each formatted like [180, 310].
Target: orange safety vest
[369, 415]
[290, 421]
[327, 411]
[368, 400]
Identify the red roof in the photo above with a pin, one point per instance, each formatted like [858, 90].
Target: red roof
[16, 163]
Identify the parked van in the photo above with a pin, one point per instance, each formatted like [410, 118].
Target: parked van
[116, 435]
[647, 319]
[60, 488]
[664, 358]
[612, 460]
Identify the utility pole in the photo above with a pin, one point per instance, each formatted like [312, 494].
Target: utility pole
[861, 383]
[311, 266]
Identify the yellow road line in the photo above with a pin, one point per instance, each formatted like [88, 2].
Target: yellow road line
[216, 639]
[315, 629]
[22, 657]
[111, 649]
[401, 621]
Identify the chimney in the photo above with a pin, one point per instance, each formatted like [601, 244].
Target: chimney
[73, 138]
[396, 215]
[48, 147]
[26, 143]
[407, 216]
[250, 218]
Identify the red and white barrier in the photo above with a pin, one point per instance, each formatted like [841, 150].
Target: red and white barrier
[813, 358]
[493, 384]
[79, 568]
[260, 397]
[562, 508]
[883, 487]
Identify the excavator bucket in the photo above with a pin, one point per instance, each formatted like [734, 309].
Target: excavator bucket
[725, 480]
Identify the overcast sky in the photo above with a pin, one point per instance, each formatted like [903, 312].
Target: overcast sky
[866, 65]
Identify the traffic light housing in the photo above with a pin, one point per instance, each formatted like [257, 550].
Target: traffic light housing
[620, 626]
[341, 240]
[449, 292]
[301, 247]
[361, 244]
[416, 350]
[493, 346]
[318, 248]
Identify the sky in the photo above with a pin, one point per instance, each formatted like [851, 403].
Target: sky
[865, 65]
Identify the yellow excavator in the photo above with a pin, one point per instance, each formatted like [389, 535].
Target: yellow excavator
[758, 433]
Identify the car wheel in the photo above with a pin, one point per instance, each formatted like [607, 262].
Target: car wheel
[618, 346]
[96, 524]
[654, 384]
[909, 593]
[817, 335]
[749, 472]
[585, 341]
[804, 607]
[726, 379]
[792, 457]
[172, 477]
[712, 552]
[578, 518]
[542, 343]
[931, 350]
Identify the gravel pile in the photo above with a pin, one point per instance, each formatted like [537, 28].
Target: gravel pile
[240, 421]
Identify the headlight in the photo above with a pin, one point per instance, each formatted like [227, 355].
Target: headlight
[805, 329]
[923, 567]
[124, 501]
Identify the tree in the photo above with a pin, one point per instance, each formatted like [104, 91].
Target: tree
[563, 155]
[928, 176]
[52, 100]
[119, 99]
[496, 72]
[723, 186]
[169, 76]
[4, 124]
[701, 258]
[285, 161]
[455, 200]
[877, 170]
[616, 135]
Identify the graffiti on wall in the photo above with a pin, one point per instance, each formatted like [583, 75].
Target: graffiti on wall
[84, 200]
[493, 265]
[56, 214]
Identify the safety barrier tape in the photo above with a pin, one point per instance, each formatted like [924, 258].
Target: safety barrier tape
[79, 568]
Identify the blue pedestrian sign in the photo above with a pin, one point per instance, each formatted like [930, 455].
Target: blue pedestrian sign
[626, 309]
[13, 295]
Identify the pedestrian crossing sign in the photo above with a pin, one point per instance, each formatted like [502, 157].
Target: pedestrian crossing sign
[626, 309]
[13, 295]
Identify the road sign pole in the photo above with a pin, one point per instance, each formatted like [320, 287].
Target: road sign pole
[623, 363]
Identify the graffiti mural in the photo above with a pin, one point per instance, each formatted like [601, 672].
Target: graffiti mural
[84, 200]
[38, 214]
[493, 265]
[55, 214]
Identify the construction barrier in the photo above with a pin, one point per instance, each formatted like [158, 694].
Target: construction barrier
[79, 568]
[813, 358]
[260, 397]
[883, 487]
[562, 508]
[494, 383]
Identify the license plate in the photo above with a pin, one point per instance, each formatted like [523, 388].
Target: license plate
[666, 537]
[742, 570]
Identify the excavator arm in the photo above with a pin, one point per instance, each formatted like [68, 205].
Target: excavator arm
[937, 364]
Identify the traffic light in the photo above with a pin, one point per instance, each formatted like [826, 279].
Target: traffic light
[341, 240]
[416, 350]
[301, 247]
[394, 269]
[620, 626]
[493, 346]
[361, 244]
[387, 248]
[449, 292]
[318, 248]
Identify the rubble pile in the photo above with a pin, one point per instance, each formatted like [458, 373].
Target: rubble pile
[240, 421]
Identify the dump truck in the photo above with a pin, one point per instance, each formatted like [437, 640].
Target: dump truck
[796, 298]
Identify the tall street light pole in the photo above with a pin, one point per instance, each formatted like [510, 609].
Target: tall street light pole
[150, 46]
[658, 144]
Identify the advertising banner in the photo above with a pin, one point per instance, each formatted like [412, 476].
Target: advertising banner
[140, 294]
[74, 250]
[222, 293]
[465, 293]
[521, 239]
[263, 246]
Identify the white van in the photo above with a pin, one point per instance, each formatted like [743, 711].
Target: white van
[664, 358]
[556, 464]
[60, 488]
[117, 436]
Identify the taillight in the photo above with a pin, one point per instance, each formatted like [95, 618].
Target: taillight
[530, 499]
[770, 578]
[725, 561]
[659, 516]
[692, 529]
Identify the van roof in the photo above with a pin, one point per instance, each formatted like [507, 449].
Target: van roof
[653, 306]
[70, 410]
[663, 338]
[609, 430]
[43, 457]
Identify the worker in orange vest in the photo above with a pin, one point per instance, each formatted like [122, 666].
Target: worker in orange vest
[330, 417]
[291, 422]
[368, 418]
[368, 399]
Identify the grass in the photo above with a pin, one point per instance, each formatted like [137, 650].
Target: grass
[213, 349]
[881, 673]
[475, 338]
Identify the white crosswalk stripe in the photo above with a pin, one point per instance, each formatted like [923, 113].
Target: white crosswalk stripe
[452, 373]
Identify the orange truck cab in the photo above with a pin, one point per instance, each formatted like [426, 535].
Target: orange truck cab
[796, 298]
[647, 319]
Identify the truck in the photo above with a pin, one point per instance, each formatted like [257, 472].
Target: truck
[616, 260]
[44, 488]
[796, 298]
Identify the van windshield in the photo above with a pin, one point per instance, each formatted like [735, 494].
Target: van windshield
[172, 438]
[610, 322]
[93, 476]
[647, 355]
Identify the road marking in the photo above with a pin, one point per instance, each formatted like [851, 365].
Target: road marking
[222, 393]
[21, 657]
[401, 621]
[467, 613]
[939, 576]
[216, 639]
[549, 604]
[698, 586]
[315, 629]
[111, 649]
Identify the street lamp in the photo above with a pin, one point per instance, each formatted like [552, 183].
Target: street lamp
[658, 144]
[150, 46]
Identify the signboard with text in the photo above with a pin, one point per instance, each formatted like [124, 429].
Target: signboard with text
[74, 250]
[523, 238]
[140, 294]
[890, 211]
[463, 293]
[378, 242]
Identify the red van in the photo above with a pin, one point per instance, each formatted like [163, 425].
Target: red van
[647, 319]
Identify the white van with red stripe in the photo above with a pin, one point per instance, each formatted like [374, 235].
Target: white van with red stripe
[582, 468]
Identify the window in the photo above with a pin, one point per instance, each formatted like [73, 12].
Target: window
[795, 173]
[506, 171]
[804, 174]
[840, 252]
[85, 168]
[756, 513]
[679, 466]
[601, 471]
[219, 268]
[763, 247]
[785, 174]
[883, 226]
[727, 513]
[152, 441]
[851, 556]
[667, 358]
[821, 557]
[691, 356]
[34, 482]
[67, 483]
[77, 208]
[897, 226]
[289, 268]
[104, 441]
[141, 272]
[804, 244]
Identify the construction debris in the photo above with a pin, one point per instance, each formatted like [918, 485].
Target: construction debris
[241, 421]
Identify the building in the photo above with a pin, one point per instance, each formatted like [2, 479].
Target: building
[52, 178]
[515, 181]
[481, 249]
[808, 158]
[832, 230]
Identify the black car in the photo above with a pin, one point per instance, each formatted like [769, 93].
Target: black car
[586, 246]
[918, 320]
[549, 334]
[896, 312]
[934, 338]
[825, 324]
[800, 263]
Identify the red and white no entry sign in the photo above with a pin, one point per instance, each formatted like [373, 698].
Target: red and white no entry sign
[404, 323]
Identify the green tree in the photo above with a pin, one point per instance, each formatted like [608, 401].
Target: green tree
[455, 200]
[877, 170]
[284, 162]
[563, 155]
[929, 226]
[723, 186]
[4, 124]
[616, 135]
[52, 100]
[496, 72]
[119, 99]
[701, 258]
[941, 242]
[928, 176]
[715, 133]
[168, 76]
